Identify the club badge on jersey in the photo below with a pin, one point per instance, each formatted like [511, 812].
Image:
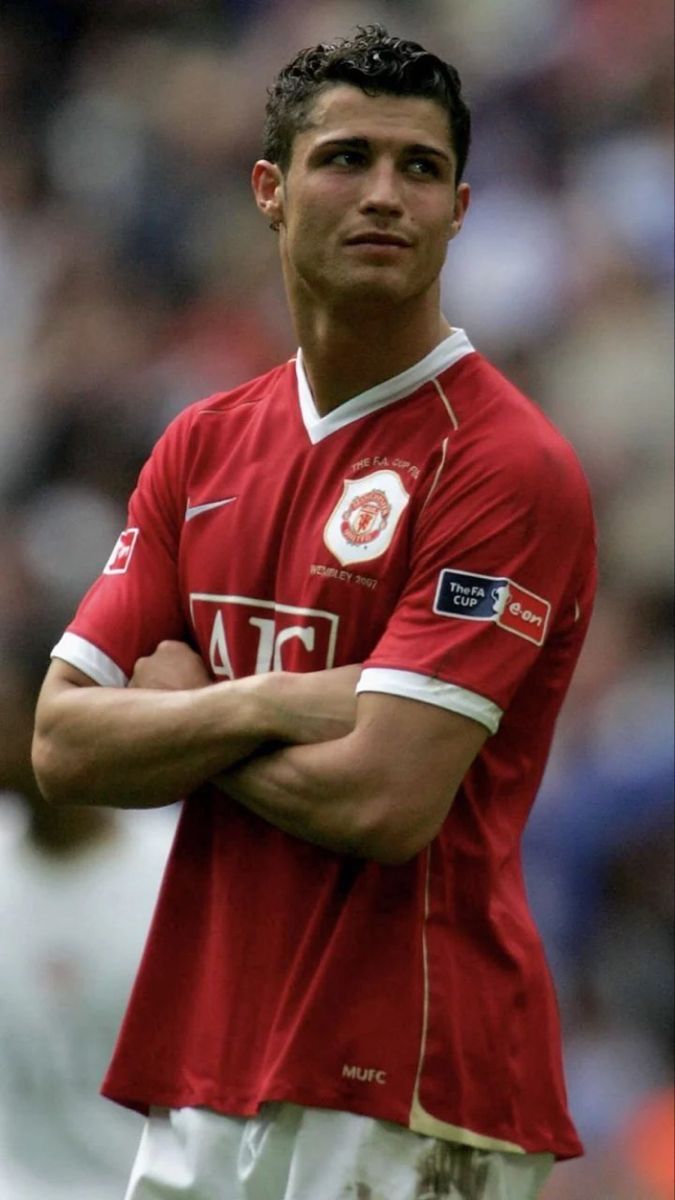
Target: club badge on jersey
[363, 523]
[493, 598]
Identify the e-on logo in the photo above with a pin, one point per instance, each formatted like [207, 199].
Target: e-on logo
[493, 598]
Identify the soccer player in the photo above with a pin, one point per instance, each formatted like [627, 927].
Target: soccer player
[343, 993]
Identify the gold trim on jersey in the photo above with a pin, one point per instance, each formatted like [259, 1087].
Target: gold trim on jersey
[420, 1120]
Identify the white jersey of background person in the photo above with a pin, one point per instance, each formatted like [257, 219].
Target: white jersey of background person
[73, 931]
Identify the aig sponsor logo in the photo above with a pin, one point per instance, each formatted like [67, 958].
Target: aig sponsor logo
[244, 636]
[493, 598]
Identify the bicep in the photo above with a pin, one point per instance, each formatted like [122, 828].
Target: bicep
[60, 678]
[410, 758]
[62, 674]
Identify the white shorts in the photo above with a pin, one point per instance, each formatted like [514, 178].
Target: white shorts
[292, 1153]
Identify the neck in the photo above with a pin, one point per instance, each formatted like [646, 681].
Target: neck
[345, 353]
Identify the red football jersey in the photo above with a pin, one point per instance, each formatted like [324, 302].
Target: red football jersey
[438, 529]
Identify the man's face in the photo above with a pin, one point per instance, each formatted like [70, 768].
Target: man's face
[369, 201]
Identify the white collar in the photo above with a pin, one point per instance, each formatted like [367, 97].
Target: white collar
[445, 355]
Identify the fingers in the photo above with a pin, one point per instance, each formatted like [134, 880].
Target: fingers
[173, 666]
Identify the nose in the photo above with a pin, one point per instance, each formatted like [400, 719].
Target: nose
[381, 192]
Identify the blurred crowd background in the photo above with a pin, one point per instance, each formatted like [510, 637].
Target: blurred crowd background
[135, 277]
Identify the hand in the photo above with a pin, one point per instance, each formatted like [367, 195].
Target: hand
[303, 709]
[172, 667]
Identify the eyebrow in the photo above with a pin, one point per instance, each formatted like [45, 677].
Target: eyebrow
[360, 143]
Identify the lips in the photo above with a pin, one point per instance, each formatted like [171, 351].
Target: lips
[376, 238]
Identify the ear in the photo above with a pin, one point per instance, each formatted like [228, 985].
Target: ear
[462, 201]
[267, 184]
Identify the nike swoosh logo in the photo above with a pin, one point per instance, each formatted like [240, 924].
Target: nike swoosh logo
[193, 510]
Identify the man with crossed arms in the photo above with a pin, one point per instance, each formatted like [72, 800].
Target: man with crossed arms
[343, 992]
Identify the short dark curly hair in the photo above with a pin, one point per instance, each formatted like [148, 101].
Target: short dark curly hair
[377, 63]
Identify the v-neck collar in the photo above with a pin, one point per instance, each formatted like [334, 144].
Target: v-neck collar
[445, 355]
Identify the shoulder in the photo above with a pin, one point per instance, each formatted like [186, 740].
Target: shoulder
[252, 392]
[199, 430]
[504, 436]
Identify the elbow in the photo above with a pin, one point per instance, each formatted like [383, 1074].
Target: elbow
[42, 761]
[394, 850]
[54, 783]
[385, 838]
[395, 827]
[391, 855]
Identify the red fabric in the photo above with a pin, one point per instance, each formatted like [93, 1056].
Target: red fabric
[276, 970]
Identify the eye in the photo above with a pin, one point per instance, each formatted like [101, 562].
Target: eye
[423, 166]
[346, 158]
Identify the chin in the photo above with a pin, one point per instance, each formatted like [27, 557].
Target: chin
[374, 287]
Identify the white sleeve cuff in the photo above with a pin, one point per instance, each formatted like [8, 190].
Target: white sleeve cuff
[431, 691]
[88, 658]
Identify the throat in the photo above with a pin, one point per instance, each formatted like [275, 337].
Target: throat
[346, 363]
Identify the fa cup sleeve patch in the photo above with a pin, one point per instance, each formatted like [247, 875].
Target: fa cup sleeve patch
[119, 560]
[493, 598]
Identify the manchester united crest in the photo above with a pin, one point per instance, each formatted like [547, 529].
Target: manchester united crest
[365, 518]
[362, 524]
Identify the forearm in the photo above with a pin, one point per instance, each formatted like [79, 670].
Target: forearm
[381, 792]
[312, 792]
[135, 748]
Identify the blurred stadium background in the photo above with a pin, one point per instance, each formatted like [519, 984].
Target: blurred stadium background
[136, 276]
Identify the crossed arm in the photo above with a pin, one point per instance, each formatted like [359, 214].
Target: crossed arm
[372, 776]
